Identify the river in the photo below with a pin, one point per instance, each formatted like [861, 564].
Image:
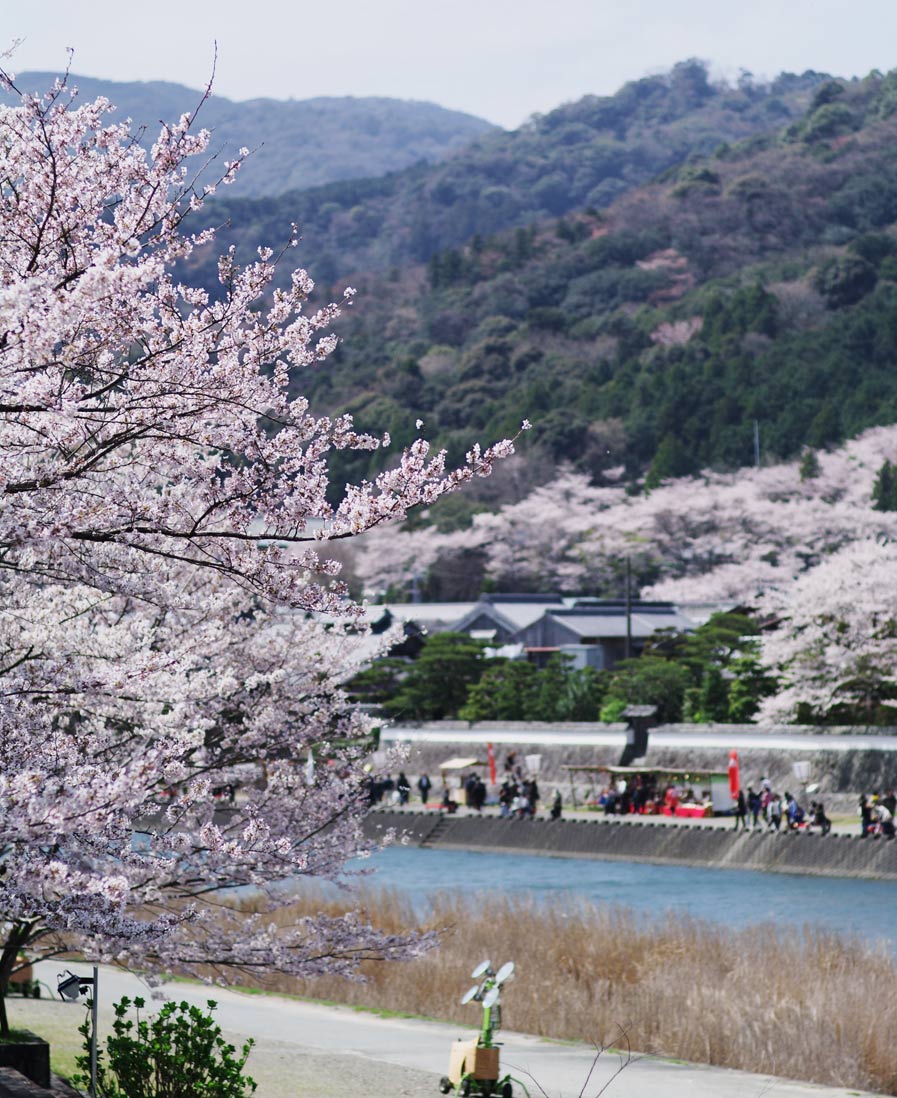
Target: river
[734, 897]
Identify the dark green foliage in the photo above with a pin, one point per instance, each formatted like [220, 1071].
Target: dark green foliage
[711, 674]
[712, 697]
[874, 248]
[379, 681]
[436, 683]
[829, 121]
[809, 465]
[826, 93]
[723, 680]
[844, 280]
[748, 686]
[671, 460]
[696, 178]
[884, 492]
[583, 154]
[518, 690]
[650, 681]
[558, 319]
[508, 690]
[177, 1053]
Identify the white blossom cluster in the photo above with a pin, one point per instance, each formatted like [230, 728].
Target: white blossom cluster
[164, 587]
[760, 536]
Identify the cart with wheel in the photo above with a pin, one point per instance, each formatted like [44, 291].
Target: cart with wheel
[474, 1063]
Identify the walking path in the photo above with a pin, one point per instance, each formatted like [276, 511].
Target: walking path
[849, 825]
[310, 1049]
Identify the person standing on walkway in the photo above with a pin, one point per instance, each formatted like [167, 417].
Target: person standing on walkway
[753, 806]
[424, 785]
[885, 820]
[865, 816]
[741, 811]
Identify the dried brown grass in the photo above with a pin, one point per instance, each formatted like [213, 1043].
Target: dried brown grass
[805, 1004]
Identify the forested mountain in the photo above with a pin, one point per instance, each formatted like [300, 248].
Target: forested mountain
[643, 276]
[296, 143]
[755, 284]
[586, 153]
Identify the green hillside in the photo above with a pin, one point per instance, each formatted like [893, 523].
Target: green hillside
[296, 143]
[586, 153]
[758, 283]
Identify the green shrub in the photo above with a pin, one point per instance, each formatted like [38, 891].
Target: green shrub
[843, 280]
[829, 121]
[177, 1053]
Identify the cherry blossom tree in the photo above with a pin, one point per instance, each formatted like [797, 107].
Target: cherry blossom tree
[716, 537]
[835, 646]
[170, 623]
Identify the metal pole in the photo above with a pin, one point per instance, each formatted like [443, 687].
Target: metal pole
[757, 443]
[94, 1016]
[628, 608]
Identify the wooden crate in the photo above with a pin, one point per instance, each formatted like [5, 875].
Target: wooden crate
[467, 1057]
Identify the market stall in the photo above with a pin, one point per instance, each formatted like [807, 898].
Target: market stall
[655, 790]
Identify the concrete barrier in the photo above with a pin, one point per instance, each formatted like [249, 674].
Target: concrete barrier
[646, 841]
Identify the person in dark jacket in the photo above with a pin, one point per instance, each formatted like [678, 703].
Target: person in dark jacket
[753, 806]
[740, 811]
[865, 815]
[424, 785]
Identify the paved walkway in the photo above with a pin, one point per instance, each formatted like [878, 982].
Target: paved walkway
[342, 1041]
[840, 826]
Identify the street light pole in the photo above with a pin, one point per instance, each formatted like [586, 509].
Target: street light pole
[94, 1019]
[71, 988]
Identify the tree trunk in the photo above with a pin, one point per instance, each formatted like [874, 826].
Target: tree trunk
[18, 937]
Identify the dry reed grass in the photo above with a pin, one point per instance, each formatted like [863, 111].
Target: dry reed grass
[805, 1004]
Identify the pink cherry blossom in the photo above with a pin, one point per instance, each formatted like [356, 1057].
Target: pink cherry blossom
[170, 622]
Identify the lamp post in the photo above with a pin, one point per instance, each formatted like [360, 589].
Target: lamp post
[71, 988]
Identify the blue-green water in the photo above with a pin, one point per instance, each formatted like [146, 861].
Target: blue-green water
[731, 896]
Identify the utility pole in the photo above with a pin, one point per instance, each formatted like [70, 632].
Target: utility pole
[757, 443]
[628, 608]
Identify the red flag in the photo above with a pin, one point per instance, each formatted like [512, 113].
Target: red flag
[734, 782]
[491, 756]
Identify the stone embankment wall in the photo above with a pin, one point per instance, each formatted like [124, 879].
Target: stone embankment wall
[841, 775]
[645, 841]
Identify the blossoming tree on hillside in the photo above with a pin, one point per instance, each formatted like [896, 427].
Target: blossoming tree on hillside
[715, 537]
[163, 538]
[835, 646]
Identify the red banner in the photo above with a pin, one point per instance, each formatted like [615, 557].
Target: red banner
[490, 755]
[734, 780]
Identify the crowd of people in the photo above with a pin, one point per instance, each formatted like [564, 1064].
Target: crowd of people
[519, 798]
[877, 814]
[756, 809]
[766, 809]
[760, 808]
[518, 794]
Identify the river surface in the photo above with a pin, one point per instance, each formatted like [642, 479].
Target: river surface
[734, 897]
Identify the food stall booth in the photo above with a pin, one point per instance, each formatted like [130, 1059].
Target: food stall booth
[683, 792]
[452, 773]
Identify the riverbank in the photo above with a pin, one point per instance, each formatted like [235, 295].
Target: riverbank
[641, 839]
[670, 984]
[329, 1052]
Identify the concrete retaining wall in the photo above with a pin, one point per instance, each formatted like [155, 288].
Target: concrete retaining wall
[646, 841]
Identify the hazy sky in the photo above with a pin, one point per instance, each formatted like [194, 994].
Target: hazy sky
[500, 59]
